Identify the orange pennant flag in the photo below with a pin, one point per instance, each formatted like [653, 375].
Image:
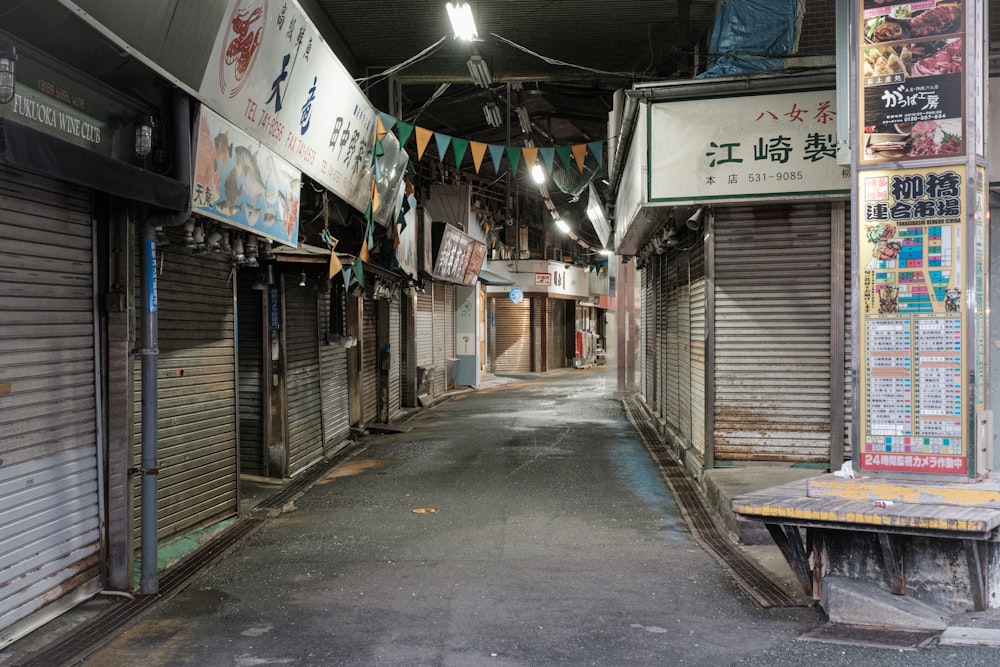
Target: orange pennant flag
[478, 151]
[580, 153]
[530, 155]
[363, 255]
[379, 128]
[335, 265]
[423, 138]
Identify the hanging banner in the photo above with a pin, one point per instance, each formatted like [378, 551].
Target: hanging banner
[912, 390]
[240, 182]
[912, 80]
[272, 74]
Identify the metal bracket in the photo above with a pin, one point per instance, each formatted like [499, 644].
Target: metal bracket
[789, 542]
[143, 471]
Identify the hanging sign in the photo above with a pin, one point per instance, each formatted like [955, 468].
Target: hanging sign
[913, 392]
[516, 295]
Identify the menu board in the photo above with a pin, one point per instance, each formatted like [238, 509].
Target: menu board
[912, 79]
[912, 391]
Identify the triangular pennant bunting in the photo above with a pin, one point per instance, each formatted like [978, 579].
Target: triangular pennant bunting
[405, 130]
[359, 267]
[530, 155]
[564, 155]
[348, 272]
[459, 146]
[478, 151]
[514, 158]
[597, 148]
[497, 153]
[423, 138]
[335, 265]
[388, 122]
[547, 154]
[443, 141]
[379, 128]
[580, 153]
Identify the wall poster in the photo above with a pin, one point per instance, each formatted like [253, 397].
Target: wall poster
[912, 390]
[912, 80]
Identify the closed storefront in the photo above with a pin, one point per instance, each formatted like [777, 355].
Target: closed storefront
[369, 360]
[395, 348]
[512, 333]
[50, 479]
[197, 394]
[556, 334]
[773, 333]
[250, 310]
[303, 403]
[333, 374]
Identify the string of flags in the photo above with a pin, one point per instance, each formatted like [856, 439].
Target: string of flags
[567, 155]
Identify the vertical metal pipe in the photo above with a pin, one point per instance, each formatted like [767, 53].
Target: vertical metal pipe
[149, 353]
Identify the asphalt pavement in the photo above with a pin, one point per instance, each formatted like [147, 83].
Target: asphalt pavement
[519, 526]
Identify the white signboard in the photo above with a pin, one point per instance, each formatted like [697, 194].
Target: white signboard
[753, 146]
[271, 73]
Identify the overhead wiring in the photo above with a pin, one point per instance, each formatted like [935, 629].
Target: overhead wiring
[403, 65]
[553, 61]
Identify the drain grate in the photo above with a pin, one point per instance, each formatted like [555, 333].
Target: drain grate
[902, 640]
[95, 633]
[747, 573]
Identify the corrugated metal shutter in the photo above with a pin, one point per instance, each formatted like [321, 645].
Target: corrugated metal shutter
[50, 550]
[671, 341]
[682, 420]
[536, 334]
[491, 338]
[448, 333]
[513, 336]
[697, 298]
[440, 340]
[425, 327]
[197, 395]
[303, 405]
[395, 349]
[660, 340]
[250, 309]
[848, 343]
[646, 334]
[772, 363]
[369, 361]
[557, 334]
[333, 383]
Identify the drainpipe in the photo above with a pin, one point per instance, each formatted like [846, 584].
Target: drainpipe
[148, 467]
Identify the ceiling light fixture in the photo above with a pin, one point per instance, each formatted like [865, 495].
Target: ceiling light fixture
[492, 112]
[143, 135]
[524, 119]
[538, 173]
[563, 227]
[462, 23]
[480, 72]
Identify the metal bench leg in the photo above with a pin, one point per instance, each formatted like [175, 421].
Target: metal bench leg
[892, 558]
[789, 542]
[975, 555]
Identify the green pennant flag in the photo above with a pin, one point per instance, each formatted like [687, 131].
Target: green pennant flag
[564, 153]
[379, 151]
[368, 213]
[514, 158]
[496, 152]
[458, 146]
[405, 130]
[597, 148]
[442, 143]
[359, 272]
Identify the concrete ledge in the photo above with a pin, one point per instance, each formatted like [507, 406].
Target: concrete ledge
[853, 602]
[721, 485]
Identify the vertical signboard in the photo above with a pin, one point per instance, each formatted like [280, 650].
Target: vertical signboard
[913, 394]
[921, 249]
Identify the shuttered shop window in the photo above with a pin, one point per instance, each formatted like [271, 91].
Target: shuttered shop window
[197, 395]
[557, 334]
[333, 381]
[772, 362]
[251, 390]
[697, 295]
[513, 336]
[303, 404]
[369, 361]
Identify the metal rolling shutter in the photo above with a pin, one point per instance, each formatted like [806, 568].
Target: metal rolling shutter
[646, 333]
[660, 339]
[848, 344]
[671, 340]
[682, 420]
[772, 380]
[333, 385]
[556, 334]
[197, 396]
[303, 404]
[537, 356]
[425, 327]
[448, 333]
[491, 338]
[369, 361]
[50, 552]
[440, 339]
[513, 336]
[697, 300]
[250, 309]
[395, 348]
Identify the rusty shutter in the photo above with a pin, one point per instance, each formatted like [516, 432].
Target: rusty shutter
[50, 499]
[369, 360]
[196, 486]
[513, 336]
[772, 323]
[303, 404]
[333, 381]
[250, 313]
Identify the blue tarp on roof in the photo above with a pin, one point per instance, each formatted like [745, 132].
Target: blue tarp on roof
[745, 28]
